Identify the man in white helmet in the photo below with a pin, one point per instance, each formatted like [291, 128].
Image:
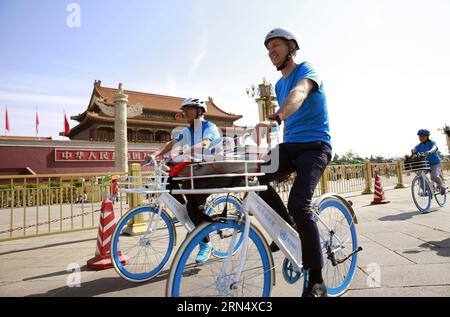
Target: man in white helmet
[196, 137]
[306, 148]
[195, 140]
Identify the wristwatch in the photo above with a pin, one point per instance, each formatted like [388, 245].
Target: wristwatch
[276, 117]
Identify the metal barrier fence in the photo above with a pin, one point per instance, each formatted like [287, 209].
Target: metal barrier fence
[344, 178]
[387, 173]
[36, 205]
[446, 166]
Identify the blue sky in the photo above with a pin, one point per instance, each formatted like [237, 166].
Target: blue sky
[384, 64]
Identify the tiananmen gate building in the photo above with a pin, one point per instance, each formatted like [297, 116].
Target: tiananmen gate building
[91, 144]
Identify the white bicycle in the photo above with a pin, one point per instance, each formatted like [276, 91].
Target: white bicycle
[249, 270]
[140, 257]
[422, 188]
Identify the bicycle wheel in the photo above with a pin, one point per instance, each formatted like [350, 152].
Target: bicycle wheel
[339, 244]
[421, 193]
[216, 207]
[148, 251]
[216, 204]
[187, 279]
[440, 199]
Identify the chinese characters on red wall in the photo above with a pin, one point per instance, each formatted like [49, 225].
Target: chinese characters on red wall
[79, 155]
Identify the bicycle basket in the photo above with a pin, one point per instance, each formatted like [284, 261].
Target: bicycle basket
[416, 164]
[219, 177]
[218, 168]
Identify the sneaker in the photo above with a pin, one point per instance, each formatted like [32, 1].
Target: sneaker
[316, 290]
[204, 253]
[443, 190]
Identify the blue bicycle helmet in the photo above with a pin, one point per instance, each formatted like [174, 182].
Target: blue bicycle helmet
[424, 132]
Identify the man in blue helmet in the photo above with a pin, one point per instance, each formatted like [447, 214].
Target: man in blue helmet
[306, 148]
[430, 149]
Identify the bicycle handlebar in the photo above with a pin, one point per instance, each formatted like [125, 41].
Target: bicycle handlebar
[417, 155]
[421, 154]
[159, 168]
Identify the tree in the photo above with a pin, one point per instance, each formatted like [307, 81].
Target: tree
[349, 155]
[379, 159]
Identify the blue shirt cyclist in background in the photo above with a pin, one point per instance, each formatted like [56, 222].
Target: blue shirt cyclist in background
[429, 148]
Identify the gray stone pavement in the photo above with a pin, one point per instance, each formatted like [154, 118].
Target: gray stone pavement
[412, 251]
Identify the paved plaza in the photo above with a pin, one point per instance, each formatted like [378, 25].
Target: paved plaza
[407, 250]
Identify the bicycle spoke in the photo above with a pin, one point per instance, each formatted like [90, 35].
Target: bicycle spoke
[335, 230]
[146, 252]
[209, 279]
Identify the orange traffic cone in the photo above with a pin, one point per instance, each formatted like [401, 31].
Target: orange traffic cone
[379, 192]
[102, 258]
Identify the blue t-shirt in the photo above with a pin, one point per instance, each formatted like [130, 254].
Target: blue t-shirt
[433, 158]
[192, 135]
[310, 122]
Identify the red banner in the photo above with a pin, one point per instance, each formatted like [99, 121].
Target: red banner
[66, 126]
[83, 155]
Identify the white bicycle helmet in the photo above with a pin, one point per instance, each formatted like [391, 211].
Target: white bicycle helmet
[194, 102]
[286, 34]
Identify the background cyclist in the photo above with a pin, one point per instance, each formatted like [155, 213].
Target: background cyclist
[430, 149]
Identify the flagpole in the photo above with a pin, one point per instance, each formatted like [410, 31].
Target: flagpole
[65, 134]
[6, 117]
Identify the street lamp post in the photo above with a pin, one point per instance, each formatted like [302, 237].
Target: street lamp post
[264, 97]
[266, 100]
